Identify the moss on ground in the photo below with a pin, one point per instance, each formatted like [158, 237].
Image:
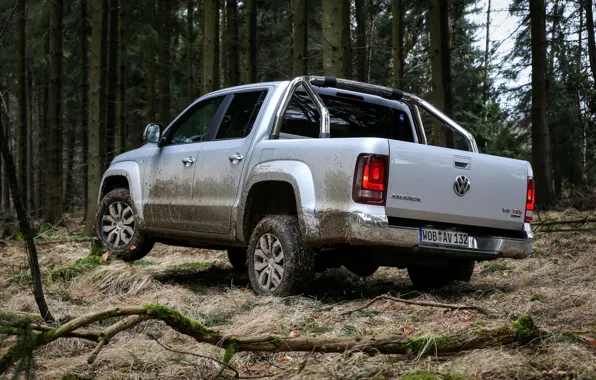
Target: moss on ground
[81, 266]
[525, 329]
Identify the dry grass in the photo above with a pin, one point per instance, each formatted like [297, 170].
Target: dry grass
[556, 286]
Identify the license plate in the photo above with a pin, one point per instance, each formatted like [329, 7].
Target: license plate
[452, 238]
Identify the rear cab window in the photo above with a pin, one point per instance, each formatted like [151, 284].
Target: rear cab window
[350, 117]
[241, 115]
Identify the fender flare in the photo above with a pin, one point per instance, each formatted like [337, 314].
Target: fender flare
[300, 177]
[130, 170]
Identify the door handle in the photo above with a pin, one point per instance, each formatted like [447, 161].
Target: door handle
[188, 161]
[234, 158]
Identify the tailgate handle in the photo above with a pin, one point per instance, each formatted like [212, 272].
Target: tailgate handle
[462, 162]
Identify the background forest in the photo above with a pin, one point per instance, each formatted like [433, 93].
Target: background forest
[81, 78]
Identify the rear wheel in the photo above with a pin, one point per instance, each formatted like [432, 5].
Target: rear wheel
[118, 227]
[428, 277]
[238, 259]
[279, 263]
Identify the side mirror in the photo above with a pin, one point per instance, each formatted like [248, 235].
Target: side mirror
[152, 133]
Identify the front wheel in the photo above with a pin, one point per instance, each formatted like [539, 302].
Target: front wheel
[279, 263]
[118, 227]
[427, 277]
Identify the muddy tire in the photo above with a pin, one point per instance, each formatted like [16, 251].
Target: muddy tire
[424, 278]
[238, 259]
[118, 227]
[279, 263]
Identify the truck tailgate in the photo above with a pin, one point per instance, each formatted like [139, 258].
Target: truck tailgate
[422, 185]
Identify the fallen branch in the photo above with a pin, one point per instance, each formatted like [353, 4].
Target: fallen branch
[521, 332]
[548, 231]
[422, 303]
[567, 221]
[67, 240]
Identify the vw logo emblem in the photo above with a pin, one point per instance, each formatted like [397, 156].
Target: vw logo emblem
[461, 186]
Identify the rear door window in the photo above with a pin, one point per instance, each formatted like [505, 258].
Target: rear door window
[241, 115]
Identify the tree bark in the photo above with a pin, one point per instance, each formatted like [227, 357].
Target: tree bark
[165, 13]
[360, 11]
[398, 56]
[24, 226]
[231, 34]
[346, 39]
[335, 51]
[84, 110]
[541, 152]
[485, 87]
[151, 111]
[190, 56]
[22, 141]
[590, 30]
[122, 109]
[31, 198]
[97, 106]
[53, 183]
[211, 50]
[251, 40]
[112, 94]
[300, 21]
[441, 93]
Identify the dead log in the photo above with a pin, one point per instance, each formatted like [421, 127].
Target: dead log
[479, 309]
[521, 332]
[562, 222]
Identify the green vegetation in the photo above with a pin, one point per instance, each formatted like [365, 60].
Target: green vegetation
[312, 325]
[493, 267]
[525, 329]
[81, 266]
[366, 313]
[351, 330]
[537, 297]
[193, 266]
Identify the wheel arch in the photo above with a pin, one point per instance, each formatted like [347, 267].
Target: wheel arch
[288, 181]
[124, 174]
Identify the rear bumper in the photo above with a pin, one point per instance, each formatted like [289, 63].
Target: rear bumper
[374, 230]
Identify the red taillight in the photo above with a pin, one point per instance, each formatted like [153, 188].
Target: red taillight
[530, 200]
[370, 179]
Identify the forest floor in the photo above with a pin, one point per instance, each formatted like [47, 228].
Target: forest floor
[556, 286]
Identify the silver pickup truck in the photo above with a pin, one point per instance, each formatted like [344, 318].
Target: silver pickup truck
[298, 176]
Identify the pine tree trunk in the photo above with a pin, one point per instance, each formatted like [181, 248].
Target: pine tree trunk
[112, 102]
[360, 41]
[122, 109]
[300, 40]
[335, 52]
[53, 183]
[165, 16]
[231, 37]
[440, 68]
[22, 141]
[398, 29]
[210, 49]
[190, 56]
[97, 106]
[346, 39]
[590, 30]
[578, 99]
[84, 110]
[485, 87]
[30, 150]
[540, 135]
[151, 112]
[24, 225]
[251, 40]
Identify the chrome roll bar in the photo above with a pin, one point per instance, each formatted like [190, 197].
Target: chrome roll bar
[389, 93]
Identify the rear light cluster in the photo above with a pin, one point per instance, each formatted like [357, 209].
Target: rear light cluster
[530, 200]
[370, 179]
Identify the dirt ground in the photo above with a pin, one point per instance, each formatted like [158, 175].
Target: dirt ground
[556, 286]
